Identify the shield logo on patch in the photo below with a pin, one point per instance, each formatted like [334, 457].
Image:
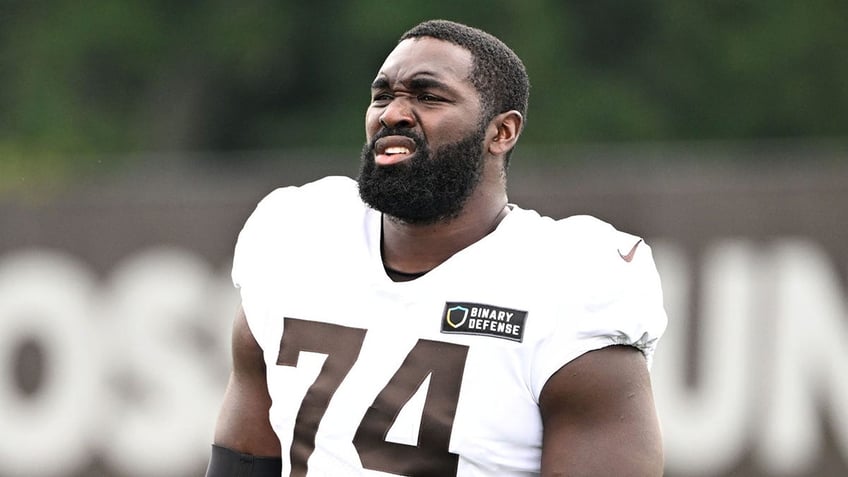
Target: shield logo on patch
[456, 316]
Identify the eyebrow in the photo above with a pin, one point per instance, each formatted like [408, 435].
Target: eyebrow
[426, 82]
[417, 83]
[380, 83]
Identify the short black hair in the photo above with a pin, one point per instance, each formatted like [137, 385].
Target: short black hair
[496, 72]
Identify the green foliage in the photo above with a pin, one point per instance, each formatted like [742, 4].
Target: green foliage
[102, 77]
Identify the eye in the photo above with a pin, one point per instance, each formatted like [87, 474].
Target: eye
[381, 98]
[429, 98]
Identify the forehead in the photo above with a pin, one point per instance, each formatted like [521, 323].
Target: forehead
[425, 56]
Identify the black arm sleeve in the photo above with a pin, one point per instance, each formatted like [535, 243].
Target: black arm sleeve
[229, 463]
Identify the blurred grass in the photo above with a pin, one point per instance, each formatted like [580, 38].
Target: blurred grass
[109, 79]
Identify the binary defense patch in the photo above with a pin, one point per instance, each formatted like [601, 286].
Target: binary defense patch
[483, 320]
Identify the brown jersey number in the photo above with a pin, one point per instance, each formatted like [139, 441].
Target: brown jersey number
[443, 362]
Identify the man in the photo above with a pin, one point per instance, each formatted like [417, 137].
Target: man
[418, 324]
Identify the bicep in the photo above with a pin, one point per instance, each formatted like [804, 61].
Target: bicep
[243, 423]
[599, 417]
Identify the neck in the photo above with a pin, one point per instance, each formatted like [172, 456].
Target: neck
[399, 276]
[416, 249]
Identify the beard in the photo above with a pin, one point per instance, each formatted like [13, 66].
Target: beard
[430, 186]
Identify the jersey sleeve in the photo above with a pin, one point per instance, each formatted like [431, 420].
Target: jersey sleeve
[260, 252]
[618, 301]
[278, 236]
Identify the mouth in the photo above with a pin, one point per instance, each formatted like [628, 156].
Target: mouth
[393, 149]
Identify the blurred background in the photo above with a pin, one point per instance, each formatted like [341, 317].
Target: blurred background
[136, 137]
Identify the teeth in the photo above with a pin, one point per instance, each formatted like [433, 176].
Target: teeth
[397, 150]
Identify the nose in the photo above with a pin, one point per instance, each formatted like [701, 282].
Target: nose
[397, 114]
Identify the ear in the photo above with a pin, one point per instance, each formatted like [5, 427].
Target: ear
[503, 132]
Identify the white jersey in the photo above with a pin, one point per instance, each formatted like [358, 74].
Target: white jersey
[440, 375]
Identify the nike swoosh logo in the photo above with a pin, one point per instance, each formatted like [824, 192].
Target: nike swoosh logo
[629, 257]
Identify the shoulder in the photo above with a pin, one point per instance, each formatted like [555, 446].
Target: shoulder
[291, 219]
[590, 233]
[292, 204]
[327, 191]
[607, 258]
[583, 240]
